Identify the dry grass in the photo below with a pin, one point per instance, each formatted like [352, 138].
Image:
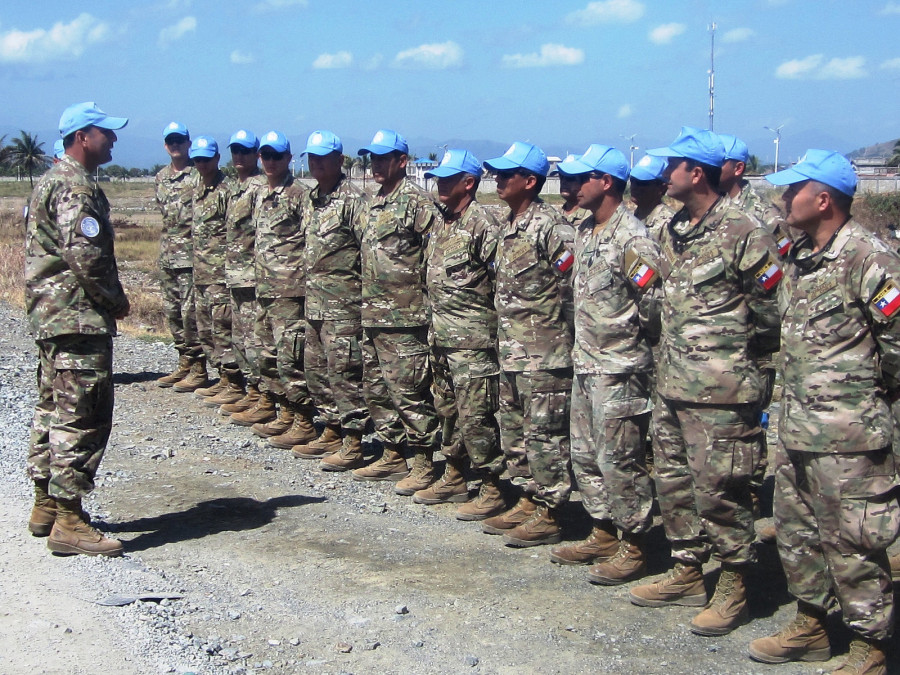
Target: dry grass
[12, 258]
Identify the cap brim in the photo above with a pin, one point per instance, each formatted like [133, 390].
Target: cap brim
[443, 172]
[316, 150]
[501, 164]
[377, 149]
[637, 174]
[204, 153]
[273, 148]
[112, 123]
[242, 143]
[573, 167]
[664, 152]
[786, 177]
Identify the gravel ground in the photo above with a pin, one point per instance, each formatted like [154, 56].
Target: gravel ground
[285, 569]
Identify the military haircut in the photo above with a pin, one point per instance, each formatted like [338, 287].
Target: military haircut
[619, 184]
[843, 202]
[713, 173]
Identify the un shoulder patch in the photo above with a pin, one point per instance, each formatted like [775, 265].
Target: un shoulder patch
[90, 228]
[887, 299]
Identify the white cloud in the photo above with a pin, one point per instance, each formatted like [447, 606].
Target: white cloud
[550, 55]
[738, 35]
[332, 61]
[61, 41]
[665, 33]
[242, 58]
[796, 69]
[274, 5]
[438, 56]
[624, 111]
[891, 8]
[892, 64]
[815, 67]
[607, 11]
[851, 68]
[170, 34]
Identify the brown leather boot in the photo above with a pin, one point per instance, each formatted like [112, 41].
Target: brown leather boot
[327, 443]
[541, 528]
[627, 564]
[390, 466]
[213, 389]
[728, 608]
[488, 503]
[232, 392]
[278, 425]
[865, 658]
[350, 455]
[263, 411]
[682, 586]
[509, 520]
[43, 513]
[803, 639]
[449, 488]
[198, 377]
[420, 476]
[601, 544]
[71, 535]
[181, 371]
[301, 431]
[249, 400]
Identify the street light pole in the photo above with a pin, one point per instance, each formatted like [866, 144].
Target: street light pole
[777, 142]
[631, 147]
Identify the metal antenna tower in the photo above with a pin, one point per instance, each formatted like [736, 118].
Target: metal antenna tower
[712, 74]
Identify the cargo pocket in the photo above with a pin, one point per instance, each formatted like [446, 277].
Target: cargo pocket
[870, 516]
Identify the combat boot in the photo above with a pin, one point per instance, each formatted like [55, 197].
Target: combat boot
[262, 411]
[71, 535]
[213, 389]
[865, 658]
[894, 561]
[327, 443]
[509, 520]
[420, 477]
[250, 399]
[43, 513]
[627, 564]
[682, 586]
[181, 371]
[279, 424]
[301, 431]
[803, 639]
[195, 379]
[232, 392]
[390, 466]
[601, 544]
[349, 457]
[728, 608]
[488, 503]
[541, 528]
[451, 487]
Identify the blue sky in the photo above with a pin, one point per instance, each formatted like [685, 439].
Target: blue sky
[560, 74]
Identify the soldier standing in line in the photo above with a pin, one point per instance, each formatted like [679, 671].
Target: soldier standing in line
[535, 335]
[460, 282]
[568, 190]
[836, 508]
[648, 186]
[72, 298]
[720, 271]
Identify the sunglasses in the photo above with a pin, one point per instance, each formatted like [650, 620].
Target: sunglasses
[270, 155]
[176, 140]
[241, 150]
[202, 160]
[506, 175]
[585, 177]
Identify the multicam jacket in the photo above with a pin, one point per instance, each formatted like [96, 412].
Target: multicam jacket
[757, 205]
[174, 190]
[719, 311]
[280, 240]
[657, 220]
[208, 229]
[840, 335]
[575, 216]
[71, 278]
[240, 232]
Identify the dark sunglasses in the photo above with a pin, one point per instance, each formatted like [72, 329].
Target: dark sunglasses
[506, 175]
[176, 139]
[585, 177]
[269, 155]
[241, 150]
[202, 160]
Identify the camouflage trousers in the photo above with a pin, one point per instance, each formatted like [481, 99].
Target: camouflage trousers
[178, 305]
[835, 516]
[281, 331]
[397, 386]
[333, 364]
[466, 390]
[534, 432]
[704, 458]
[244, 309]
[609, 423]
[73, 415]
[212, 304]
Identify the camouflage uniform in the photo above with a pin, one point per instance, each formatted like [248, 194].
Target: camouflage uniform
[280, 290]
[535, 334]
[72, 294]
[333, 357]
[460, 282]
[719, 316]
[658, 219]
[836, 507]
[616, 288]
[174, 190]
[211, 298]
[391, 231]
[574, 216]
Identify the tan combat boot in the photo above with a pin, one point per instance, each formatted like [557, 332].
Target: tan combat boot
[43, 513]
[262, 411]
[181, 371]
[803, 639]
[301, 431]
[390, 466]
[541, 528]
[232, 392]
[195, 379]
[450, 488]
[728, 608]
[601, 544]
[627, 564]
[488, 503]
[420, 476]
[212, 390]
[250, 399]
[509, 520]
[865, 658]
[682, 586]
[328, 443]
[71, 535]
[279, 424]
[350, 455]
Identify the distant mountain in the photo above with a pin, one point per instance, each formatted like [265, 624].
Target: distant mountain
[885, 149]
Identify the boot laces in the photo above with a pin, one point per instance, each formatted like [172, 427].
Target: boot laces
[724, 588]
[859, 652]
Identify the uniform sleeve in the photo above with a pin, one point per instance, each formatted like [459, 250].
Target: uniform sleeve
[762, 268]
[425, 215]
[641, 268]
[559, 246]
[486, 242]
[880, 291]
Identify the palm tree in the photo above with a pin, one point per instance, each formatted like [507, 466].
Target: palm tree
[362, 162]
[347, 164]
[27, 153]
[895, 158]
[4, 151]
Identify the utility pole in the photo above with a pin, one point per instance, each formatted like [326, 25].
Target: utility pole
[712, 75]
[777, 142]
[631, 147]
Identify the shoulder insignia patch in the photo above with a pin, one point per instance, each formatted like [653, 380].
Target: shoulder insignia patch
[784, 245]
[641, 272]
[887, 299]
[769, 274]
[564, 261]
[90, 228]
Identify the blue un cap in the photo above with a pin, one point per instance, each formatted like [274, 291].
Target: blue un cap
[58, 149]
[244, 138]
[521, 156]
[735, 148]
[701, 145]
[824, 166]
[597, 157]
[175, 128]
[456, 161]
[385, 141]
[275, 140]
[323, 143]
[649, 168]
[203, 146]
[87, 114]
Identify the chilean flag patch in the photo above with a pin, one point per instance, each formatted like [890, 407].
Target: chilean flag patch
[887, 300]
[784, 245]
[769, 275]
[641, 273]
[564, 261]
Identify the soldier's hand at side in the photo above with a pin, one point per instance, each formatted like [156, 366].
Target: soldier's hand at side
[123, 310]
